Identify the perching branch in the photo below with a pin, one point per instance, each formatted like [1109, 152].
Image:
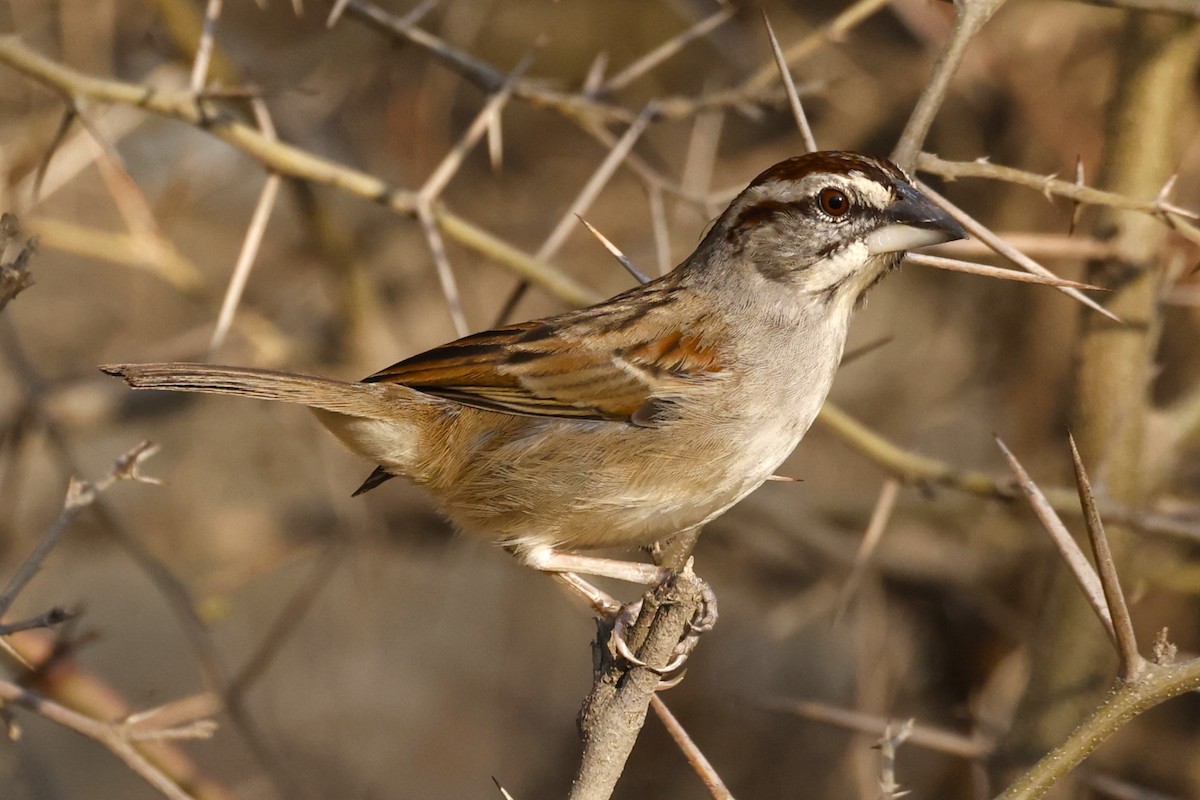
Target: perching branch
[615, 710]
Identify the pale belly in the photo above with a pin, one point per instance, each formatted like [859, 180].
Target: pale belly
[608, 484]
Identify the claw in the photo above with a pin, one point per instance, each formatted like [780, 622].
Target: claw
[621, 622]
[703, 621]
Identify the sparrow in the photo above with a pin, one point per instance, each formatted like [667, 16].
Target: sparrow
[645, 415]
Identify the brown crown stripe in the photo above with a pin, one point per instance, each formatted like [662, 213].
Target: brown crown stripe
[800, 167]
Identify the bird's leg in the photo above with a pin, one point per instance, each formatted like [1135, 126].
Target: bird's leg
[566, 567]
[597, 599]
[547, 559]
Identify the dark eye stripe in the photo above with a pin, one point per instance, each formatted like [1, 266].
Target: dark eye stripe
[759, 213]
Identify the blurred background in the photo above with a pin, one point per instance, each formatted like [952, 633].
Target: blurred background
[391, 657]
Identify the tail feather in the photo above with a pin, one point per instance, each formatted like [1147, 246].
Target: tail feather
[355, 399]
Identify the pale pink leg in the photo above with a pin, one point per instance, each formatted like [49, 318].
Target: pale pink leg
[597, 599]
[550, 560]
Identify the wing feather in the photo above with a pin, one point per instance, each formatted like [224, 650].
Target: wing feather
[621, 360]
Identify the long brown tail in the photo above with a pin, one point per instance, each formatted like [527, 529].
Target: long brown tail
[354, 399]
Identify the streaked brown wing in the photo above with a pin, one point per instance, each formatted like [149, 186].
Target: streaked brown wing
[617, 361]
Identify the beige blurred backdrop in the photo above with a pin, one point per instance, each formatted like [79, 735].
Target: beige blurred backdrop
[423, 663]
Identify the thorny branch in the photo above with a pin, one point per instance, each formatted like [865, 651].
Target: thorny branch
[14, 275]
[284, 159]
[126, 739]
[1053, 186]
[588, 108]
[80, 495]
[972, 15]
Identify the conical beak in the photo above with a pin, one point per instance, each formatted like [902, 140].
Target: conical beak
[912, 221]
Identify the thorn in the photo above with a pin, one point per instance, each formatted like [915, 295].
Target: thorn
[1076, 206]
[1047, 186]
[1164, 650]
[595, 73]
[629, 266]
[1166, 190]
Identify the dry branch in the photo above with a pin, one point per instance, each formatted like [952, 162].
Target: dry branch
[1051, 186]
[972, 16]
[703, 767]
[283, 158]
[615, 710]
[1068, 548]
[1126, 643]
[80, 495]
[1157, 683]
[14, 275]
[125, 742]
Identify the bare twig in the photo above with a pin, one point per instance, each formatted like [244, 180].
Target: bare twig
[252, 241]
[665, 50]
[80, 495]
[880, 517]
[504, 793]
[1050, 185]
[615, 710]
[47, 619]
[1076, 561]
[598, 180]
[916, 469]
[170, 587]
[116, 737]
[441, 178]
[450, 164]
[482, 74]
[212, 13]
[889, 743]
[14, 275]
[985, 234]
[971, 268]
[444, 272]
[837, 28]
[972, 15]
[1132, 662]
[1116, 789]
[65, 123]
[287, 160]
[908, 467]
[927, 736]
[587, 195]
[712, 781]
[801, 119]
[1155, 684]
[616, 253]
[284, 624]
[1034, 245]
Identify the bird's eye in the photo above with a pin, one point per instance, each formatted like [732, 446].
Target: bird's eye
[833, 202]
